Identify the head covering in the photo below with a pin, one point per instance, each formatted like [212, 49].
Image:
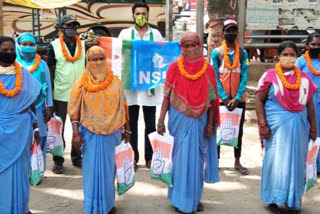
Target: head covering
[191, 97]
[192, 53]
[97, 69]
[104, 111]
[67, 19]
[229, 23]
[26, 54]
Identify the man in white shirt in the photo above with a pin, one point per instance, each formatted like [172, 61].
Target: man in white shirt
[147, 99]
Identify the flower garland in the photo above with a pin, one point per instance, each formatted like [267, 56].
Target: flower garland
[311, 68]
[95, 88]
[226, 57]
[65, 52]
[194, 76]
[284, 80]
[36, 64]
[18, 84]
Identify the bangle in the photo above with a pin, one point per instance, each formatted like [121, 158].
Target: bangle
[127, 131]
[160, 125]
[76, 134]
[75, 121]
[35, 130]
[313, 130]
[262, 124]
[210, 126]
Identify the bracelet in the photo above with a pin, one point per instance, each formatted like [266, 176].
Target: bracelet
[76, 134]
[127, 131]
[35, 130]
[160, 125]
[262, 124]
[210, 126]
[75, 121]
[313, 130]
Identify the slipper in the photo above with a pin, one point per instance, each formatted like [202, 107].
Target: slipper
[273, 209]
[57, 169]
[200, 207]
[242, 170]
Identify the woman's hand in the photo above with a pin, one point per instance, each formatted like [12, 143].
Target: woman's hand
[36, 136]
[232, 104]
[313, 135]
[126, 135]
[161, 128]
[48, 115]
[76, 141]
[209, 131]
[265, 132]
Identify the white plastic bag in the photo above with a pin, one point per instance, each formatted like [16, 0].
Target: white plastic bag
[54, 139]
[311, 164]
[124, 158]
[37, 164]
[162, 157]
[228, 130]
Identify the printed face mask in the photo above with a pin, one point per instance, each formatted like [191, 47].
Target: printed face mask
[141, 20]
[70, 32]
[7, 58]
[230, 38]
[287, 61]
[98, 69]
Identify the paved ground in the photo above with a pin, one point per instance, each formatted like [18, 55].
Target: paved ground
[62, 194]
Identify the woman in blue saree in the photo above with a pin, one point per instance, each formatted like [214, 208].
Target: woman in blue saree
[190, 96]
[18, 91]
[286, 119]
[310, 64]
[27, 57]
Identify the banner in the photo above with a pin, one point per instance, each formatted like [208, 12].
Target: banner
[140, 64]
[43, 3]
[311, 164]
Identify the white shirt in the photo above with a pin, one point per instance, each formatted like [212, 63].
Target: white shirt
[142, 97]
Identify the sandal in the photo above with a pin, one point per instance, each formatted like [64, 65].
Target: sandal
[200, 207]
[242, 170]
[112, 211]
[273, 209]
[57, 169]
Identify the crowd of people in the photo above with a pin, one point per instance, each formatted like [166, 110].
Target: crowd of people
[76, 80]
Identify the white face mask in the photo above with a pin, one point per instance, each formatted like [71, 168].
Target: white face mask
[287, 61]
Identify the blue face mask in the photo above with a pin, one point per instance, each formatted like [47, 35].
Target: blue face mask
[27, 52]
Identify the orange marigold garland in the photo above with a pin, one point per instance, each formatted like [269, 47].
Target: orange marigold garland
[18, 84]
[36, 64]
[284, 80]
[95, 88]
[65, 52]
[236, 58]
[194, 76]
[309, 63]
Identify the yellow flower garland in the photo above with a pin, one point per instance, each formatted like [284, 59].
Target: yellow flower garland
[236, 58]
[194, 76]
[284, 80]
[36, 64]
[18, 85]
[95, 88]
[309, 63]
[65, 52]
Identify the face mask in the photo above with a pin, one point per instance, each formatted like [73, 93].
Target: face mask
[27, 52]
[7, 58]
[230, 38]
[314, 51]
[98, 69]
[287, 61]
[141, 20]
[70, 32]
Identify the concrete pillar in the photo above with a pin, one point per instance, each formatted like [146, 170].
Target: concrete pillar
[169, 20]
[199, 18]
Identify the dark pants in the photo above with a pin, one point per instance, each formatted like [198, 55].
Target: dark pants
[61, 111]
[237, 151]
[149, 115]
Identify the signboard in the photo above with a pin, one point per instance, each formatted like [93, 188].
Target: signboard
[283, 14]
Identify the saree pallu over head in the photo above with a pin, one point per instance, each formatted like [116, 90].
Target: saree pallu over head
[101, 111]
[192, 97]
[291, 100]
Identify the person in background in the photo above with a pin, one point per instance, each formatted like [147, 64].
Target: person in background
[18, 91]
[191, 98]
[147, 99]
[286, 119]
[26, 50]
[66, 60]
[99, 115]
[231, 65]
[310, 64]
